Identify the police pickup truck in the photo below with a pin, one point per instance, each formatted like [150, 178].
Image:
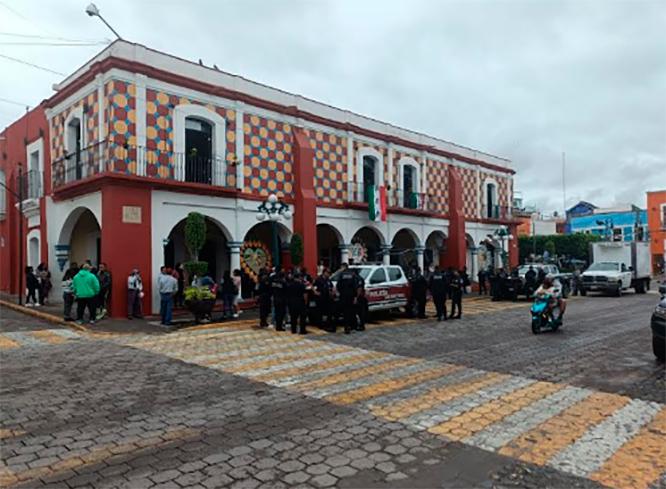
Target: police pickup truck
[386, 286]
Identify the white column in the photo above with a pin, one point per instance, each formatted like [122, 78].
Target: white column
[240, 147]
[234, 254]
[389, 180]
[350, 167]
[424, 175]
[141, 124]
[419, 256]
[386, 254]
[101, 130]
[344, 253]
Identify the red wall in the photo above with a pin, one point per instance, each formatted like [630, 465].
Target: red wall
[13, 141]
[131, 243]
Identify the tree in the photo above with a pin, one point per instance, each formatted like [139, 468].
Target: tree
[550, 247]
[569, 245]
[195, 237]
[296, 249]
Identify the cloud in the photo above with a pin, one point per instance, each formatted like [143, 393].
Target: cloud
[527, 80]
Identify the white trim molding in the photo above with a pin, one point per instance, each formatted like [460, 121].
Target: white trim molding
[182, 112]
[36, 146]
[141, 123]
[411, 162]
[379, 168]
[240, 146]
[31, 260]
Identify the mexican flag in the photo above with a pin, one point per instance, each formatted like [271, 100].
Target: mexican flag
[376, 203]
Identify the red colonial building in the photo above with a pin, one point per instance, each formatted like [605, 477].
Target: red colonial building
[136, 139]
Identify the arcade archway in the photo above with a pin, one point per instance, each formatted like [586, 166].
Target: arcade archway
[366, 245]
[214, 251]
[435, 249]
[329, 240]
[80, 239]
[403, 249]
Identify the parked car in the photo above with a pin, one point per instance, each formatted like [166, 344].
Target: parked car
[658, 325]
[562, 281]
[386, 286]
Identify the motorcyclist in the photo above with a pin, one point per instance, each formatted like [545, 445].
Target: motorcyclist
[547, 288]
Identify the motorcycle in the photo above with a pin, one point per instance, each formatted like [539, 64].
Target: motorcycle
[543, 318]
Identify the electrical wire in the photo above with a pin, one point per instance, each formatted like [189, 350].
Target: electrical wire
[14, 102]
[56, 44]
[53, 38]
[27, 63]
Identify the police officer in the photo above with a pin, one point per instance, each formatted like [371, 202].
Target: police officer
[323, 291]
[279, 292]
[263, 289]
[456, 292]
[361, 303]
[347, 288]
[419, 290]
[296, 300]
[438, 288]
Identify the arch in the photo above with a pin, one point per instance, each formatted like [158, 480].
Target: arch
[329, 240]
[435, 249]
[367, 151]
[214, 251]
[80, 238]
[372, 240]
[403, 248]
[219, 135]
[470, 257]
[33, 241]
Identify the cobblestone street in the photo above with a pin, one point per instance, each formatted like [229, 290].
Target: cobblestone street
[477, 402]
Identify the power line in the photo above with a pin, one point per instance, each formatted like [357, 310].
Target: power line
[60, 44]
[27, 63]
[14, 102]
[54, 38]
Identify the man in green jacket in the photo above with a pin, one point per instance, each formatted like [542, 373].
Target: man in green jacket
[85, 287]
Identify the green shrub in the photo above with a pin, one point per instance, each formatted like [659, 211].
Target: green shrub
[198, 294]
[195, 234]
[198, 268]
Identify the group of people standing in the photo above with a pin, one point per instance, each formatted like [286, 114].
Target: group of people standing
[442, 284]
[38, 285]
[281, 293]
[90, 288]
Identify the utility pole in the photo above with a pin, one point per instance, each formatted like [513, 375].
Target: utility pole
[564, 183]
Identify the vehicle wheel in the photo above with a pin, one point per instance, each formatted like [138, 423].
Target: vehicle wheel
[659, 348]
[640, 287]
[618, 292]
[536, 325]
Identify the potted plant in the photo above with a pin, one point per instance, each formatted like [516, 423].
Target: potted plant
[199, 300]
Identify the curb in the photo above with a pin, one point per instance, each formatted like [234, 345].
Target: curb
[43, 315]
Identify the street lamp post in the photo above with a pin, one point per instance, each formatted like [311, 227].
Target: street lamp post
[19, 197]
[275, 211]
[93, 11]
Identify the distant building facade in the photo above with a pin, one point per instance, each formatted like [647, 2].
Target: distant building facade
[622, 223]
[656, 216]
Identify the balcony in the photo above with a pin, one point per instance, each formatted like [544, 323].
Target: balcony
[397, 199]
[497, 212]
[109, 157]
[30, 185]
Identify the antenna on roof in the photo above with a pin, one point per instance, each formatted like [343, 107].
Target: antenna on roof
[200, 62]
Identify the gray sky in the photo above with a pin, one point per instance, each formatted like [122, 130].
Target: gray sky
[525, 80]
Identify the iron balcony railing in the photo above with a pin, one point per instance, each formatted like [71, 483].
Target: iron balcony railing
[113, 157]
[396, 198]
[496, 212]
[31, 183]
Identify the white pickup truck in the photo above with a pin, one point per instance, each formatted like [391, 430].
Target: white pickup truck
[618, 266]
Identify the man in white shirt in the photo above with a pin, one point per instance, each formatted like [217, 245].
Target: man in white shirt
[547, 288]
[167, 286]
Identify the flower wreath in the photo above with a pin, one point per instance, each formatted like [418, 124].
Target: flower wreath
[255, 255]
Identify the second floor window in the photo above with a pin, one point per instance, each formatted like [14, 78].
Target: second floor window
[198, 150]
[369, 173]
[409, 186]
[491, 200]
[74, 135]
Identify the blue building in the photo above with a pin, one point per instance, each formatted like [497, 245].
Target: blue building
[625, 223]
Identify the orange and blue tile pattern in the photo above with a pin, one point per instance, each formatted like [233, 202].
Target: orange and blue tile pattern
[330, 166]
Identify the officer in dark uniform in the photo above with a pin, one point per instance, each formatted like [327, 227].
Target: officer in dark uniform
[263, 289]
[456, 292]
[419, 291]
[347, 288]
[530, 281]
[296, 300]
[439, 288]
[279, 292]
[361, 303]
[323, 291]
